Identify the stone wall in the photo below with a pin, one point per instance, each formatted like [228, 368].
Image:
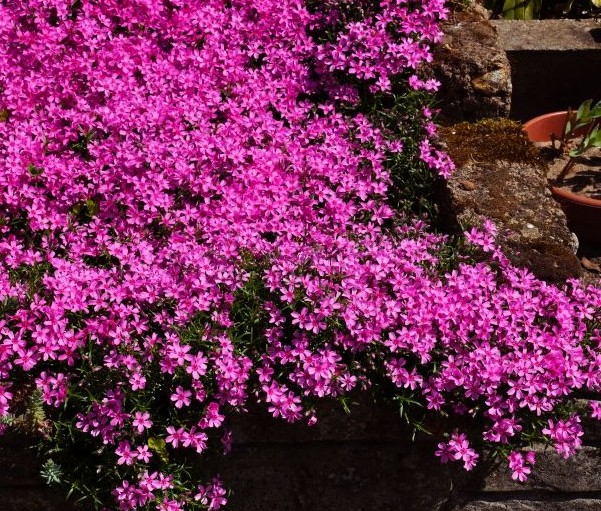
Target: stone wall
[21, 487]
[555, 64]
[362, 462]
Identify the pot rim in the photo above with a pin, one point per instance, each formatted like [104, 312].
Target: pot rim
[575, 198]
[544, 117]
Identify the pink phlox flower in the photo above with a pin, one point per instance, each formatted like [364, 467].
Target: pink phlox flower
[566, 435]
[175, 436]
[212, 418]
[181, 397]
[170, 505]
[595, 409]
[141, 421]
[518, 465]
[125, 453]
[143, 453]
[212, 495]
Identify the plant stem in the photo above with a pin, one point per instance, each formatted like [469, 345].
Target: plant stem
[564, 172]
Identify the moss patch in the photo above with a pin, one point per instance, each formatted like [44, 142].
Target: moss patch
[489, 140]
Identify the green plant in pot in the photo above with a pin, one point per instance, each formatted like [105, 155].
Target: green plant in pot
[585, 127]
[574, 136]
[537, 9]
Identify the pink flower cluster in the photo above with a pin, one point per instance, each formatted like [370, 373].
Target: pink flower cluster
[520, 465]
[458, 448]
[565, 435]
[184, 210]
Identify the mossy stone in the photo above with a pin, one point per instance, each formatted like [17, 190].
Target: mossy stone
[490, 140]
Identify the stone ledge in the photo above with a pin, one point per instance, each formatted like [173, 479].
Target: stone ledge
[555, 64]
[580, 473]
[33, 499]
[500, 176]
[349, 477]
[532, 505]
[367, 422]
[536, 35]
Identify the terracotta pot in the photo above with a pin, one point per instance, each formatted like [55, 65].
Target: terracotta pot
[583, 213]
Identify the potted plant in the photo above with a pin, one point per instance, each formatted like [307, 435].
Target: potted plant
[571, 137]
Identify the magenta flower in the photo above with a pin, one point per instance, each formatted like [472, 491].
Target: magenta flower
[141, 421]
[194, 216]
[181, 397]
[125, 453]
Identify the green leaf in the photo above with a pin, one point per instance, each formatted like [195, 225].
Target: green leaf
[567, 129]
[92, 206]
[521, 9]
[568, 7]
[594, 138]
[159, 446]
[509, 9]
[583, 110]
[33, 170]
[596, 3]
[596, 110]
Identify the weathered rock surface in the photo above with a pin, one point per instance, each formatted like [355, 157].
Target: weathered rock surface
[533, 505]
[498, 178]
[372, 465]
[552, 473]
[548, 35]
[365, 461]
[21, 487]
[473, 70]
[364, 424]
[336, 476]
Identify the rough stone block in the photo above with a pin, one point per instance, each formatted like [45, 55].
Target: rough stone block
[580, 473]
[366, 422]
[499, 177]
[555, 64]
[343, 476]
[533, 505]
[473, 69]
[32, 499]
[544, 35]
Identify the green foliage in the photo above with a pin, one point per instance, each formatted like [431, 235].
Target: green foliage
[34, 171]
[543, 9]
[30, 275]
[587, 118]
[400, 117]
[80, 145]
[585, 123]
[85, 211]
[51, 472]
[159, 447]
[522, 9]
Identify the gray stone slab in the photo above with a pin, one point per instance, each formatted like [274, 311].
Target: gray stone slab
[555, 64]
[334, 477]
[495, 180]
[529, 505]
[18, 467]
[570, 35]
[367, 421]
[32, 499]
[580, 473]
